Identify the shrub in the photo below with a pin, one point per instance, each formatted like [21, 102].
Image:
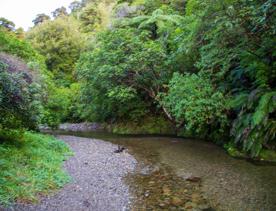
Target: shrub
[196, 104]
[20, 97]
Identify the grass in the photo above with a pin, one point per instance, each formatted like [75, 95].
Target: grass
[30, 167]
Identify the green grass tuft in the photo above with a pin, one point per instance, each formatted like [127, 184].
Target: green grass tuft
[30, 167]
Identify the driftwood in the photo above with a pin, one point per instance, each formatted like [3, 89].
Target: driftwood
[120, 149]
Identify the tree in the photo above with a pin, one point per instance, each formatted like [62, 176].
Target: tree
[75, 6]
[124, 68]
[194, 103]
[7, 24]
[231, 41]
[40, 18]
[20, 33]
[90, 17]
[59, 12]
[158, 22]
[20, 95]
[61, 43]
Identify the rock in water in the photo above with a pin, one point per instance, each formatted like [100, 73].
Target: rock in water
[193, 179]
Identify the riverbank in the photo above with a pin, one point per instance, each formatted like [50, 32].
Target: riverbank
[225, 183]
[97, 179]
[148, 126]
[157, 126]
[30, 165]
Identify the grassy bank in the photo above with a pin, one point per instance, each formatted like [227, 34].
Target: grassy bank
[30, 167]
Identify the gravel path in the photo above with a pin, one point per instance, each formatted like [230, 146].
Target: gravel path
[97, 184]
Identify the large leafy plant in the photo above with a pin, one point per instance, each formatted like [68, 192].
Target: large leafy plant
[124, 72]
[20, 95]
[195, 104]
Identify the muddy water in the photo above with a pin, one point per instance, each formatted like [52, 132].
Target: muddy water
[160, 182]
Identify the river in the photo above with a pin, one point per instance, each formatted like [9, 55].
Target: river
[165, 164]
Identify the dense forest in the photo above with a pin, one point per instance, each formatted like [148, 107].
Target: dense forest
[205, 67]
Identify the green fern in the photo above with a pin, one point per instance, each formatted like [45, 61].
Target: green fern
[266, 106]
[256, 128]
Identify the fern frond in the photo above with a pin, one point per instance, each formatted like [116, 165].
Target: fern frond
[262, 111]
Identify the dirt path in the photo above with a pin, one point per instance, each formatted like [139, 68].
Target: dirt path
[97, 184]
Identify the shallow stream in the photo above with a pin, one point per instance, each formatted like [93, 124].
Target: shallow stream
[220, 181]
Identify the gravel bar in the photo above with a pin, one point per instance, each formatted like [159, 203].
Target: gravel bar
[97, 179]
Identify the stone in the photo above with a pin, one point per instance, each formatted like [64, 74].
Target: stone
[176, 201]
[190, 205]
[204, 207]
[193, 179]
[166, 190]
[162, 205]
[147, 193]
[196, 197]
[151, 182]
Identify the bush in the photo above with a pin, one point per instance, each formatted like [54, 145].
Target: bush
[20, 94]
[196, 104]
[57, 107]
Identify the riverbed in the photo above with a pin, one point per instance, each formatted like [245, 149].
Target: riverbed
[165, 164]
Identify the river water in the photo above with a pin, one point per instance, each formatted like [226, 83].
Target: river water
[160, 182]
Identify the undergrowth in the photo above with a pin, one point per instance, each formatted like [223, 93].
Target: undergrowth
[31, 167]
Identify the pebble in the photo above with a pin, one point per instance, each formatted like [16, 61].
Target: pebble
[190, 205]
[176, 201]
[97, 188]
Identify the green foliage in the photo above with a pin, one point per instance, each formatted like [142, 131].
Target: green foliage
[194, 103]
[20, 95]
[256, 126]
[60, 12]
[147, 125]
[7, 24]
[57, 108]
[40, 18]
[76, 108]
[27, 87]
[218, 50]
[30, 167]
[158, 22]
[9, 43]
[95, 16]
[232, 42]
[207, 66]
[61, 43]
[122, 69]
[90, 17]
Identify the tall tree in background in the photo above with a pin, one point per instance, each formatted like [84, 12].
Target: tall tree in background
[75, 6]
[7, 24]
[59, 12]
[90, 17]
[61, 43]
[158, 23]
[40, 18]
